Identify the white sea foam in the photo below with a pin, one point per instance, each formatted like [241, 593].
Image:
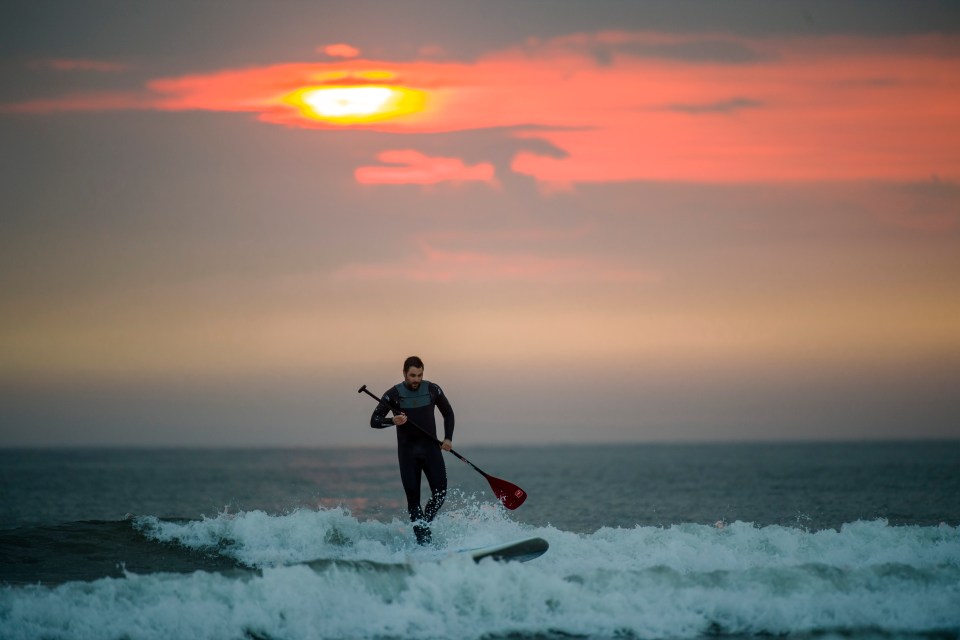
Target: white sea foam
[258, 539]
[677, 582]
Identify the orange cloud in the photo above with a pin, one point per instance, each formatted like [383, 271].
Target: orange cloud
[639, 106]
[412, 167]
[341, 50]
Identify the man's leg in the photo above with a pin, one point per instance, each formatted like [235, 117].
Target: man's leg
[410, 470]
[436, 473]
[411, 466]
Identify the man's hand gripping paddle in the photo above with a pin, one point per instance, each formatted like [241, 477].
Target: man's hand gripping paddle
[509, 494]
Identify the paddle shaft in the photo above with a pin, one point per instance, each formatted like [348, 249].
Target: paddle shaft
[364, 389]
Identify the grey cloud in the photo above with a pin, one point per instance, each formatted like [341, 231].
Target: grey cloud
[723, 106]
[701, 50]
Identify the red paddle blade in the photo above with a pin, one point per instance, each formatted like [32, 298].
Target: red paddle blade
[509, 494]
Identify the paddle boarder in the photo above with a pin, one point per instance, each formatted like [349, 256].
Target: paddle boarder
[415, 399]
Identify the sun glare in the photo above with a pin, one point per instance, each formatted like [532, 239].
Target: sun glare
[356, 105]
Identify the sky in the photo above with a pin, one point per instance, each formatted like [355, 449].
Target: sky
[596, 222]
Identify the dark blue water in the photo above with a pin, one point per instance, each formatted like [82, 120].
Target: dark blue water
[576, 488]
[648, 541]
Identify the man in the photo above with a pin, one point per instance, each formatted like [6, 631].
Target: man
[413, 402]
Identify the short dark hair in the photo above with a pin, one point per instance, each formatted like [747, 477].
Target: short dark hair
[412, 361]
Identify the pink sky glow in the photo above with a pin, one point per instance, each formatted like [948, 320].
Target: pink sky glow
[837, 108]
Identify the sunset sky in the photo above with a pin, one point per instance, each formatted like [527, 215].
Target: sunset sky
[600, 221]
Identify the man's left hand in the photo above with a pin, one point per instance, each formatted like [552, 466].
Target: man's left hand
[446, 445]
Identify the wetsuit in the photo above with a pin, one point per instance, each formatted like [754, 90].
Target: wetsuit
[418, 452]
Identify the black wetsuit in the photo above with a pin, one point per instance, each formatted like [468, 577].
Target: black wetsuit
[418, 452]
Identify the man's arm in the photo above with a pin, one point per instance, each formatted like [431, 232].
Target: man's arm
[379, 419]
[447, 412]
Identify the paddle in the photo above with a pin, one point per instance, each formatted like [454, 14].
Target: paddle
[509, 494]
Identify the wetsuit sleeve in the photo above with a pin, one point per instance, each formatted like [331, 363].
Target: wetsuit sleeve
[446, 411]
[379, 419]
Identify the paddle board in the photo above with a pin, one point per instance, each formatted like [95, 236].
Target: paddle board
[517, 551]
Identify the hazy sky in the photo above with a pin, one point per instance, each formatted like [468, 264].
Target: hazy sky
[595, 221]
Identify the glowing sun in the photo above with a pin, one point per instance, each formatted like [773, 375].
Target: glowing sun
[356, 104]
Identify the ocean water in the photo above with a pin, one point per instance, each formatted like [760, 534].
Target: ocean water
[646, 541]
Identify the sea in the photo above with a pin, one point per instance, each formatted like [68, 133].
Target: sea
[650, 541]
